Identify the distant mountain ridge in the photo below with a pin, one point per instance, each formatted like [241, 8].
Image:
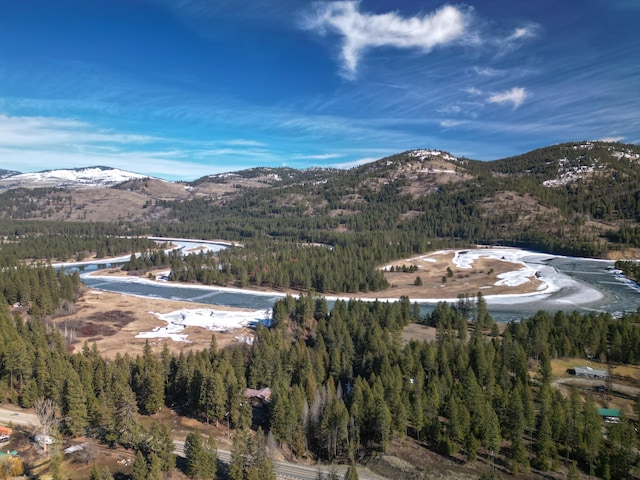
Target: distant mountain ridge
[97, 176]
[552, 198]
[7, 173]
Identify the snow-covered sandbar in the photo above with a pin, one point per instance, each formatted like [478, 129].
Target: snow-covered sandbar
[212, 319]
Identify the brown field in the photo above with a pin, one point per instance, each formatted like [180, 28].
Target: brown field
[480, 278]
[112, 320]
[623, 387]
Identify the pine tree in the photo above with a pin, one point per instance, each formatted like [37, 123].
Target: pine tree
[160, 443]
[155, 468]
[140, 468]
[573, 471]
[239, 454]
[106, 474]
[591, 441]
[211, 458]
[352, 473]
[194, 452]
[544, 445]
[201, 457]
[333, 427]
[95, 474]
[148, 382]
[74, 405]
[125, 414]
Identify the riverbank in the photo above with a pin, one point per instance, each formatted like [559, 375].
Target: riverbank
[121, 323]
[443, 275]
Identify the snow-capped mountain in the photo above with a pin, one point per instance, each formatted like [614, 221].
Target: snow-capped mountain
[71, 178]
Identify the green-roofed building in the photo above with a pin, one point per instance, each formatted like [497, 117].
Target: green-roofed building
[610, 415]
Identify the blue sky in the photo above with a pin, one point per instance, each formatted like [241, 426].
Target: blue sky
[183, 88]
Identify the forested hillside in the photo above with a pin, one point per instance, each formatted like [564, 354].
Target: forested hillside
[578, 199]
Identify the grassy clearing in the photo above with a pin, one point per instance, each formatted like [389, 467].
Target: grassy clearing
[560, 367]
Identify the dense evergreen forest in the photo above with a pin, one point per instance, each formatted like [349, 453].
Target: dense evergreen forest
[382, 211]
[343, 384]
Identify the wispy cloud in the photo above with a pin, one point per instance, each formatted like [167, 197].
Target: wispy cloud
[474, 91]
[486, 71]
[21, 131]
[451, 123]
[361, 31]
[516, 38]
[528, 31]
[516, 96]
[322, 156]
[245, 143]
[354, 163]
[29, 143]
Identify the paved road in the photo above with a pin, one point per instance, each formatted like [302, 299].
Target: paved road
[592, 383]
[293, 471]
[14, 416]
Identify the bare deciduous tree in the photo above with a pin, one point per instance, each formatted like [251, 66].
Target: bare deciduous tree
[48, 414]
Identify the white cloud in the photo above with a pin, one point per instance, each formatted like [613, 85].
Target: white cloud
[362, 30]
[486, 71]
[355, 163]
[34, 143]
[28, 131]
[523, 32]
[473, 91]
[322, 156]
[515, 96]
[517, 37]
[450, 109]
[244, 143]
[611, 139]
[451, 123]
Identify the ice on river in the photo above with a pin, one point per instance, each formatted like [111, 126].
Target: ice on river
[209, 318]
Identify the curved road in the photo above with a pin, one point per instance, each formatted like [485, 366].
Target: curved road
[284, 470]
[293, 471]
[15, 416]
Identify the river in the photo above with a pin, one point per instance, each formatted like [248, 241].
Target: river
[582, 284]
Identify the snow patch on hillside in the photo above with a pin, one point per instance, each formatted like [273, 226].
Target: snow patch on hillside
[426, 154]
[628, 155]
[568, 173]
[86, 177]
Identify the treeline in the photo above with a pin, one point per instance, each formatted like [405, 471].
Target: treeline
[626, 235]
[39, 289]
[64, 247]
[278, 265]
[629, 268]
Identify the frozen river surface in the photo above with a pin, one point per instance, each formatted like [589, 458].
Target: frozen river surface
[568, 283]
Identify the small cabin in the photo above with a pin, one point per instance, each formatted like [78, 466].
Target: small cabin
[610, 415]
[589, 372]
[258, 397]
